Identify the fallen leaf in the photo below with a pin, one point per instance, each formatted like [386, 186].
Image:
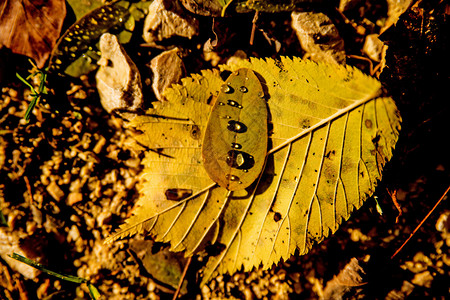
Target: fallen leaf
[349, 277]
[329, 135]
[31, 28]
[82, 8]
[395, 8]
[235, 142]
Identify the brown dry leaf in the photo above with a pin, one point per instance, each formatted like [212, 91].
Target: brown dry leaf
[395, 9]
[349, 277]
[31, 28]
[329, 136]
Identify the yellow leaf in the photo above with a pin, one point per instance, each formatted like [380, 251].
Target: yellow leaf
[330, 135]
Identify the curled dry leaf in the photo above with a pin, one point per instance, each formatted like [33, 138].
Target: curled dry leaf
[349, 277]
[118, 79]
[329, 136]
[167, 19]
[319, 37]
[167, 69]
[395, 9]
[374, 47]
[31, 28]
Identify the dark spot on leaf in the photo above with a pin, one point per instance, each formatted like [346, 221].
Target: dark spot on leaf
[330, 154]
[177, 194]
[368, 123]
[195, 132]
[277, 217]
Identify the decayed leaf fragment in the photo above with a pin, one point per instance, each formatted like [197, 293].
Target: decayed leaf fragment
[330, 136]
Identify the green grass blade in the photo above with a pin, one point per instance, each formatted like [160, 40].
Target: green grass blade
[26, 83]
[3, 219]
[95, 294]
[45, 270]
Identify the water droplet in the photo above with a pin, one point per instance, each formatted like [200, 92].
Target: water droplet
[234, 104]
[260, 94]
[239, 160]
[236, 146]
[243, 89]
[232, 177]
[245, 171]
[236, 126]
[221, 103]
[226, 117]
[226, 88]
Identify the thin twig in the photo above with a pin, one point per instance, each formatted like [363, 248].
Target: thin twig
[423, 221]
[397, 206]
[252, 34]
[180, 283]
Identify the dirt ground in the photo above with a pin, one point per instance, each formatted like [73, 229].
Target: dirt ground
[67, 180]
